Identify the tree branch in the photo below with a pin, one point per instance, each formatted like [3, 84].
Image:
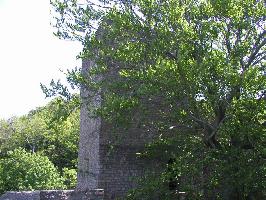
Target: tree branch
[256, 49]
[202, 123]
[259, 60]
[214, 132]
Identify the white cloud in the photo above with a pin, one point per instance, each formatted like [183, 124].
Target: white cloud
[29, 54]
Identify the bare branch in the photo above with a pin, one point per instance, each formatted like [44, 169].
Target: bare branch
[238, 37]
[256, 48]
[260, 57]
[92, 3]
[214, 132]
[227, 41]
[254, 53]
[202, 123]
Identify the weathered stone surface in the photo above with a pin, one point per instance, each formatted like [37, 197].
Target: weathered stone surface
[120, 169]
[55, 194]
[25, 195]
[97, 194]
[116, 170]
[88, 162]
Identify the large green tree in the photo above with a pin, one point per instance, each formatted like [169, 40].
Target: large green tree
[52, 130]
[195, 70]
[22, 170]
[49, 132]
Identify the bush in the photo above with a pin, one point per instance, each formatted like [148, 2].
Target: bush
[70, 178]
[21, 170]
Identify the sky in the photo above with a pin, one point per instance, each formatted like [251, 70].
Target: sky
[29, 55]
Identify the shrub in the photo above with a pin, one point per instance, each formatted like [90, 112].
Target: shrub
[21, 170]
[70, 178]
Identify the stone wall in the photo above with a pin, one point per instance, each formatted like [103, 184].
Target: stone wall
[25, 195]
[107, 159]
[120, 169]
[54, 195]
[88, 156]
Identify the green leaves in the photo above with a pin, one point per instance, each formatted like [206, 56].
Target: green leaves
[21, 170]
[40, 150]
[197, 67]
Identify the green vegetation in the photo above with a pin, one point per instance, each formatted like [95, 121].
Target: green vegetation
[39, 150]
[195, 70]
[22, 170]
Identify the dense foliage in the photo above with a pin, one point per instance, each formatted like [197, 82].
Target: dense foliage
[195, 70]
[39, 150]
[22, 170]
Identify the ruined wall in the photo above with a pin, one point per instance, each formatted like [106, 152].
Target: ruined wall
[54, 195]
[113, 169]
[90, 127]
[107, 159]
[119, 170]
[120, 167]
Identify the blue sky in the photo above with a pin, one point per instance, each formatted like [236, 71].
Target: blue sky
[29, 54]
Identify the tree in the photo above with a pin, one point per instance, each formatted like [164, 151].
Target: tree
[62, 131]
[27, 171]
[50, 131]
[5, 132]
[196, 71]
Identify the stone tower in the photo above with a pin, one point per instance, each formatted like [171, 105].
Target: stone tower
[114, 170]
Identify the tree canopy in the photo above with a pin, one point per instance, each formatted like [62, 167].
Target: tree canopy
[22, 170]
[39, 150]
[195, 70]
